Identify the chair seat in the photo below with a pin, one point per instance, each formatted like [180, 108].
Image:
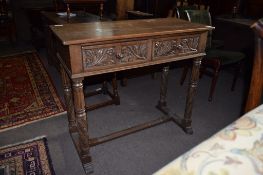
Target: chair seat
[226, 57]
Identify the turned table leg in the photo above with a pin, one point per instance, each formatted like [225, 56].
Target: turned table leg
[82, 124]
[163, 91]
[186, 121]
[68, 100]
[115, 90]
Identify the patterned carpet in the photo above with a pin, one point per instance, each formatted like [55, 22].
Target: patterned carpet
[31, 157]
[26, 91]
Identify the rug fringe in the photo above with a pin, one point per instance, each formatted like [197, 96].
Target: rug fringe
[24, 142]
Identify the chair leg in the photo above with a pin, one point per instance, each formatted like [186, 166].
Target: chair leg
[212, 87]
[214, 81]
[183, 77]
[237, 72]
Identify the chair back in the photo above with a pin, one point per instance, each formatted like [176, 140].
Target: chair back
[180, 11]
[201, 17]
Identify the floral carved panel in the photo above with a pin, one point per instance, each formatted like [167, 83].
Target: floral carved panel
[115, 54]
[176, 46]
[93, 57]
[131, 53]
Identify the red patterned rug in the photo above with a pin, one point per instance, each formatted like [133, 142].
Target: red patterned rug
[26, 91]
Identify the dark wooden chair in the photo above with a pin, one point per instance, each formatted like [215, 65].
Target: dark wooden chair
[215, 58]
[7, 24]
[254, 97]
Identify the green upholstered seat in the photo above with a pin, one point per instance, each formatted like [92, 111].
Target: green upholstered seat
[226, 57]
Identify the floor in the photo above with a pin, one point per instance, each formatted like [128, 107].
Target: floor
[144, 152]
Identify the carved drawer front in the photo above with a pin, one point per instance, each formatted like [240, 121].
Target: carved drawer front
[131, 52]
[175, 46]
[97, 56]
[117, 54]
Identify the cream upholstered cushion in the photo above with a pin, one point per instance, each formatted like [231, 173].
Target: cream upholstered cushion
[235, 150]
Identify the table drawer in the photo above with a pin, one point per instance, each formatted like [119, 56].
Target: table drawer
[117, 54]
[176, 46]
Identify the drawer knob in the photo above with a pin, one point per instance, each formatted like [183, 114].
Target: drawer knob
[120, 56]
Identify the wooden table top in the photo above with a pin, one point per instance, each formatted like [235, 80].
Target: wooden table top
[117, 30]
